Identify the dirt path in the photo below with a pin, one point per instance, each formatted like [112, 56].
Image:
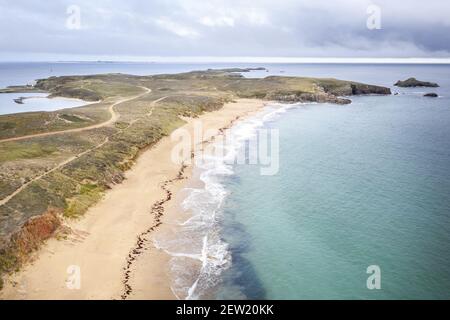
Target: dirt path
[60, 165]
[67, 161]
[114, 117]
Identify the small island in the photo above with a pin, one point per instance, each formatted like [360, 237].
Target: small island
[413, 82]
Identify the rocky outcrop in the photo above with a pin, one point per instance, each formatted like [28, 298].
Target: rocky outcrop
[293, 97]
[413, 82]
[328, 93]
[361, 88]
[19, 100]
[348, 88]
[431, 95]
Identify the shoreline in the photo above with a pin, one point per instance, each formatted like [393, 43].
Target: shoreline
[175, 217]
[107, 242]
[192, 238]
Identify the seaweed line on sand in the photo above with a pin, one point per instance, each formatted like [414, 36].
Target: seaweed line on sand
[157, 212]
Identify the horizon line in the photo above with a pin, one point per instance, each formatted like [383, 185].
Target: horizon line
[200, 59]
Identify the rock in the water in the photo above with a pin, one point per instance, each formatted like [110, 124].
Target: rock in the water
[431, 95]
[413, 82]
[19, 100]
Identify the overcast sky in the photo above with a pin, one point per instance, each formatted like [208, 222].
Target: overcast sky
[113, 29]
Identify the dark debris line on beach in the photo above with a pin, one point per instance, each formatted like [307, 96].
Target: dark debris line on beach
[157, 212]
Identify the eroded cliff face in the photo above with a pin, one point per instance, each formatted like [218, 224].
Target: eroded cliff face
[35, 231]
[320, 97]
[28, 238]
[360, 88]
[328, 94]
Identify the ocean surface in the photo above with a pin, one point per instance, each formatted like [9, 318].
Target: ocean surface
[359, 185]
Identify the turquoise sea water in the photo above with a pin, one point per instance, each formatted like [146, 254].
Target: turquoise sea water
[359, 185]
[356, 187]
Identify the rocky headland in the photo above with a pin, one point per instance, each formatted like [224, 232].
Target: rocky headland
[413, 82]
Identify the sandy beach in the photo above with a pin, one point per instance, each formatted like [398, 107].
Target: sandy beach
[104, 247]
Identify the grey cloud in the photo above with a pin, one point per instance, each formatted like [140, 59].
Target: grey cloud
[225, 28]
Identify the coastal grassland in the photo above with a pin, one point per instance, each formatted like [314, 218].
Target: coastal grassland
[100, 156]
[14, 151]
[78, 185]
[90, 88]
[22, 124]
[285, 89]
[21, 161]
[105, 88]
[298, 89]
[94, 90]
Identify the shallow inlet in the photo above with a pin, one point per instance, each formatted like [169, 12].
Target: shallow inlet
[35, 102]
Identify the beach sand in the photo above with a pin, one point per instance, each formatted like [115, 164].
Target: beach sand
[106, 245]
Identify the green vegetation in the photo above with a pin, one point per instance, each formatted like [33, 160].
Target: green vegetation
[8, 262]
[72, 118]
[88, 194]
[100, 156]
[15, 151]
[21, 124]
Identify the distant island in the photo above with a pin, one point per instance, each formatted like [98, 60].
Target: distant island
[413, 82]
[239, 69]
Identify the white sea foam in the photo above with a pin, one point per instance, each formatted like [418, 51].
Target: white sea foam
[199, 254]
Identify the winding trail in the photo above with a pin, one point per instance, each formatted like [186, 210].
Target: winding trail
[60, 165]
[157, 101]
[114, 117]
[67, 161]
